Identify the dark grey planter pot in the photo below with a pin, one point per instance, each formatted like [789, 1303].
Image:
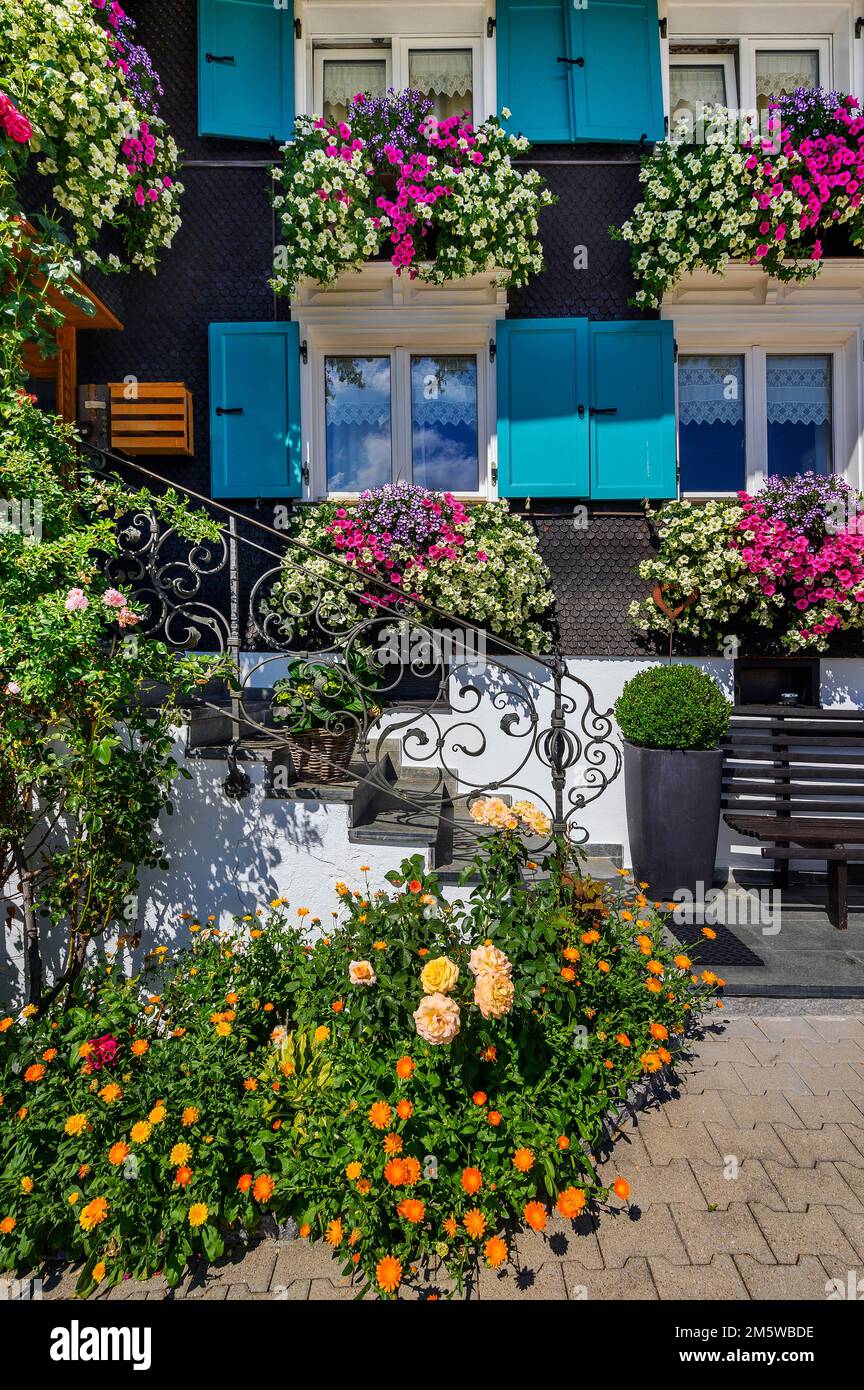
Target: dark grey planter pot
[673, 815]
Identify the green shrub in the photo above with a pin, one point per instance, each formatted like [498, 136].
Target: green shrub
[672, 707]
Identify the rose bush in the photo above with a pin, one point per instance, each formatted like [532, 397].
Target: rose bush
[410, 1083]
[391, 173]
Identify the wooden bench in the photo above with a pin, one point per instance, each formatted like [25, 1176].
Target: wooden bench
[793, 776]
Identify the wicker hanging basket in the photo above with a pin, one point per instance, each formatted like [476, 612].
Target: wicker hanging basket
[319, 755]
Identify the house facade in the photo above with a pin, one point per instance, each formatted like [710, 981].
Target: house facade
[572, 405]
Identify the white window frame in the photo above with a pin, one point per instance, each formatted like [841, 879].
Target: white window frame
[748, 42]
[324, 53]
[705, 58]
[403, 25]
[782, 43]
[844, 348]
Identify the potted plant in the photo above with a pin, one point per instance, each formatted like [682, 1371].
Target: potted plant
[321, 705]
[672, 719]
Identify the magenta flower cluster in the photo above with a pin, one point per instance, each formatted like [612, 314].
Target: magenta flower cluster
[807, 557]
[13, 123]
[132, 58]
[104, 1052]
[823, 164]
[398, 530]
[409, 153]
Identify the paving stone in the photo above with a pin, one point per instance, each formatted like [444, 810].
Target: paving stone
[236, 1293]
[793, 1283]
[717, 1280]
[822, 1144]
[653, 1233]
[762, 1141]
[821, 1185]
[302, 1259]
[547, 1283]
[664, 1144]
[853, 1175]
[213, 1293]
[852, 1225]
[776, 1076]
[731, 1232]
[822, 1080]
[673, 1183]
[713, 1050]
[564, 1240]
[791, 1051]
[855, 1135]
[782, 1028]
[632, 1281]
[325, 1289]
[751, 1183]
[772, 1108]
[792, 1235]
[737, 1026]
[721, 1076]
[828, 1054]
[708, 1106]
[834, 1029]
[629, 1146]
[833, 1108]
[254, 1267]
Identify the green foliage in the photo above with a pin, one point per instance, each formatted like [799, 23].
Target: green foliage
[672, 707]
[296, 1068]
[328, 694]
[85, 768]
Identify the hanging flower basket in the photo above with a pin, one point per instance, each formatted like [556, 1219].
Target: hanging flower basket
[443, 196]
[321, 756]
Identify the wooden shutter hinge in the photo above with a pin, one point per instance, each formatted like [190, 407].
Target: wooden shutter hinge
[663, 27]
[494, 475]
[859, 25]
[493, 349]
[490, 27]
[304, 353]
[298, 29]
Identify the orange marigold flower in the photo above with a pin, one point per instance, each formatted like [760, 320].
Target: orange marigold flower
[118, 1153]
[621, 1188]
[338, 1005]
[568, 973]
[563, 1142]
[534, 1214]
[379, 1114]
[411, 1168]
[34, 1072]
[489, 1054]
[305, 1231]
[99, 1271]
[494, 1118]
[479, 1097]
[570, 953]
[653, 985]
[450, 1226]
[523, 1159]
[189, 1116]
[474, 1222]
[604, 966]
[141, 1132]
[589, 937]
[415, 886]
[7, 1225]
[183, 1176]
[472, 1180]
[181, 1153]
[157, 1114]
[110, 1093]
[645, 944]
[263, 1188]
[198, 1213]
[665, 1055]
[139, 1047]
[709, 934]
[658, 1031]
[334, 1235]
[363, 1186]
[353, 1171]
[392, 1143]
[571, 1202]
[49, 1054]
[649, 1061]
[404, 1109]
[388, 1274]
[405, 1067]
[412, 1209]
[683, 962]
[623, 1039]
[394, 1172]
[250, 1084]
[244, 1182]
[94, 1213]
[495, 1251]
[75, 1123]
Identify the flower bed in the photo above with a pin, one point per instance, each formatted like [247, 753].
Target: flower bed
[392, 173]
[409, 1085]
[478, 560]
[741, 195]
[85, 96]
[789, 558]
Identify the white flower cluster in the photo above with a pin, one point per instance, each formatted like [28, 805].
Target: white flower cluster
[59, 71]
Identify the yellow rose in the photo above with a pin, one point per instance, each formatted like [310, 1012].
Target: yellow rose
[360, 972]
[437, 1018]
[439, 976]
[493, 994]
[488, 958]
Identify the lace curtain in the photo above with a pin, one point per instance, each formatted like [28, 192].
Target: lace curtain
[711, 390]
[441, 72]
[799, 389]
[344, 78]
[777, 73]
[704, 83]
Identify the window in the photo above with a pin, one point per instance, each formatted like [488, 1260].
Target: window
[748, 72]
[743, 416]
[700, 79]
[446, 70]
[402, 416]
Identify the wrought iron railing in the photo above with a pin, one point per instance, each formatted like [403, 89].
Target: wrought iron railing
[495, 719]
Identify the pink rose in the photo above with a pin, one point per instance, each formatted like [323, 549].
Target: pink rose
[112, 598]
[76, 601]
[437, 1018]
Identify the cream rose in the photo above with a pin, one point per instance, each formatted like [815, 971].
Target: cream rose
[439, 976]
[493, 993]
[485, 958]
[360, 972]
[437, 1018]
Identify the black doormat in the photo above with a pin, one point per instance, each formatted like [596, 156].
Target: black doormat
[725, 949]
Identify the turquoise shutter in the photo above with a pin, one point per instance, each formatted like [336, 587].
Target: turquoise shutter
[255, 410]
[530, 37]
[617, 92]
[632, 429]
[245, 69]
[542, 373]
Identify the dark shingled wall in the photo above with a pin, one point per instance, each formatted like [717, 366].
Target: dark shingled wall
[218, 269]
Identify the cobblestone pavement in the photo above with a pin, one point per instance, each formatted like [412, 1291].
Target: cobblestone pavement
[747, 1181]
